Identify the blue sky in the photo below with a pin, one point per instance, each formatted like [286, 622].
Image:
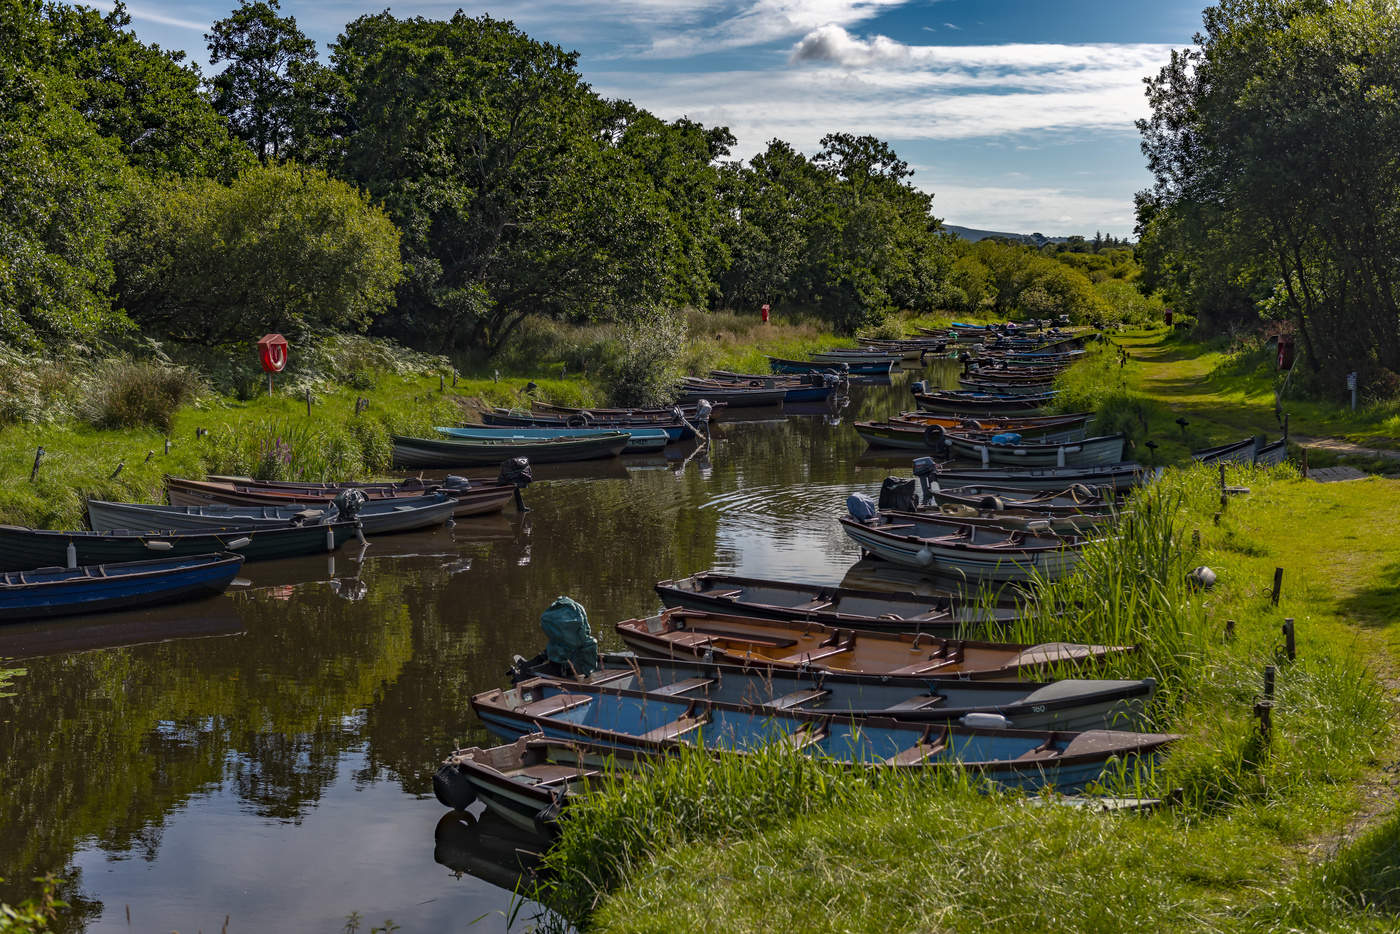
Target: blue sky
[1017, 115]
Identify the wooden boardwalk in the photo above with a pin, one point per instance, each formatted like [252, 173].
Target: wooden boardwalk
[1335, 474]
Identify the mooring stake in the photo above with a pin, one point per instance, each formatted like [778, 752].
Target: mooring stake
[1229, 630]
[1217, 518]
[1264, 711]
[38, 456]
[167, 445]
[120, 465]
[442, 382]
[1269, 672]
[1278, 586]
[149, 455]
[308, 401]
[1195, 538]
[1289, 643]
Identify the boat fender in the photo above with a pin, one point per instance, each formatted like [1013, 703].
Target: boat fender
[1038, 525]
[158, 546]
[452, 788]
[861, 507]
[991, 504]
[924, 556]
[72, 555]
[985, 721]
[1201, 577]
[237, 543]
[330, 538]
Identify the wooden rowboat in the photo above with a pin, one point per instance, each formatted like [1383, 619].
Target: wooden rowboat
[607, 718]
[376, 517]
[23, 549]
[473, 497]
[1257, 451]
[433, 452]
[742, 640]
[639, 440]
[56, 591]
[944, 612]
[976, 404]
[1090, 452]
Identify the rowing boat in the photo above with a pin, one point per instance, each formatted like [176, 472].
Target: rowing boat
[92, 588]
[1256, 450]
[1090, 452]
[963, 550]
[376, 517]
[432, 452]
[943, 612]
[1122, 476]
[23, 549]
[975, 404]
[742, 640]
[639, 440]
[473, 497]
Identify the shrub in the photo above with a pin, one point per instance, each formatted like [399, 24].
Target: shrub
[642, 369]
[126, 394]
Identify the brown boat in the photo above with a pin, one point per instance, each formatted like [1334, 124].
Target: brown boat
[1027, 424]
[479, 498]
[679, 633]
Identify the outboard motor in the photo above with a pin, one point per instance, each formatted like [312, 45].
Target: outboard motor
[516, 471]
[571, 644]
[900, 494]
[454, 482]
[703, 408]
[936, 438]
[348, 502]
[925, 470]
[919, 388]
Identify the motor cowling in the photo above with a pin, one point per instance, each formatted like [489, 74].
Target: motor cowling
[516, 471]
[348, 502]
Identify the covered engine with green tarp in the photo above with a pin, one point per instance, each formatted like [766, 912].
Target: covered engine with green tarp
[571, 643]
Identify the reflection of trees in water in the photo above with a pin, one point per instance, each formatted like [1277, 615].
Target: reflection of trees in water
[101, 746]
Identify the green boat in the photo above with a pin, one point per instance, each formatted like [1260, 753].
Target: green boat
[24, 549]
[435, 452]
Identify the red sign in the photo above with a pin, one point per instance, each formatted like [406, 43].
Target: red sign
[765, 314]
[272, 351]
[1285, 352]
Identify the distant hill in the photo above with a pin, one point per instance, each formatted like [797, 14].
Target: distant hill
[973, 234]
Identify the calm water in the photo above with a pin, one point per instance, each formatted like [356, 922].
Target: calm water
[266, 756]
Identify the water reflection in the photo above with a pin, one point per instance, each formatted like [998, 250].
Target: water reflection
[155, 768]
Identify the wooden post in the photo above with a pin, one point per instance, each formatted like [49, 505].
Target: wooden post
[1217, 518]
[1264, 711]
[38, 456]
[1305, 463]
[308, 401]
[1229, 630]
[1289, 643]
[149, 455]
[1269, 672]
[1278, 586]
[1195, 538]
[120, 465]
[167, 445]
[1222, 479]
[442, 382]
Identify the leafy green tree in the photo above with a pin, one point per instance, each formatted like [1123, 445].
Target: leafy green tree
[267, 58]
[61, 187]
[284, 248]
[140, 95]
[1272, 145]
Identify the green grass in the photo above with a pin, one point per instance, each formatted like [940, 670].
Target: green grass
[776, 843]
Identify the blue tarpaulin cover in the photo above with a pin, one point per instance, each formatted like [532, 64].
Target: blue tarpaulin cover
[571, 642]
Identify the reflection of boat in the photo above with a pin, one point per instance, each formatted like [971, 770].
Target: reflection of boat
[211, 618]
[488, 847]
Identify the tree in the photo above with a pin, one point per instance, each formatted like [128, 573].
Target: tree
[283, 248]
[139, 95]
[1272, 146]
[267, 56]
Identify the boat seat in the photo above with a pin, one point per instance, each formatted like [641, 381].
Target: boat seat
[555, 774]
[805, 736]
[553, 706]
[811, 605]
[683, 686]
[927, 666]
[914, 755]
[797, 698]
[895, 528]
[689, 639]
[673, 730]
[1045, 750]
[917, 702]
[731, 635]
[722, 594]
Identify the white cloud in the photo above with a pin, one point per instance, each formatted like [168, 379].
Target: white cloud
[765, 21]
[1048, 210]
[832, 45]
[141, 13]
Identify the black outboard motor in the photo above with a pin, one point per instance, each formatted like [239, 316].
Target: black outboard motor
[899, 494]
[348, 502]
[925, 470]
[919, 388]
[516, 471]
[936, 439]
[454, 482]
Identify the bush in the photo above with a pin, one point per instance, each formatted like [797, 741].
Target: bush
[128, 394]
[643, 368]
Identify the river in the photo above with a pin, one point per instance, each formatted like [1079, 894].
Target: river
[264, 758]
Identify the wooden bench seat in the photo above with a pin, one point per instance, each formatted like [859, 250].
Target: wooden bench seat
[683, 686]
[797, 698]
[673, 730]
[917, 702]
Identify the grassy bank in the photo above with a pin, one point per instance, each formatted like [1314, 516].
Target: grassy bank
[242, 430]
[1259, 837]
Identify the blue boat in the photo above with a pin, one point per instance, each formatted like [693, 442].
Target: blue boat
[48, 592]
[676, 430]
[639, 440]
[610, 718]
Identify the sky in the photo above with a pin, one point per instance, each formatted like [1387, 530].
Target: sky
[1017, 115]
